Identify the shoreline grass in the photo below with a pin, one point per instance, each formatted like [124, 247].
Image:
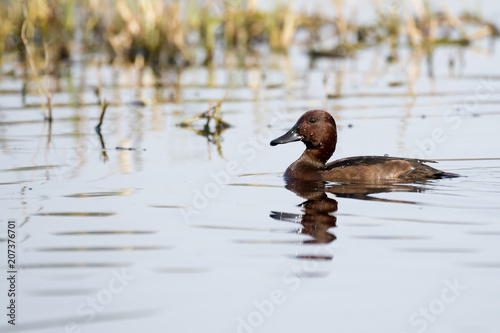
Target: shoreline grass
[47, 35]
[174, 33]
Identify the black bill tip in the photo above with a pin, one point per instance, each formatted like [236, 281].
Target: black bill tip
[290, 136]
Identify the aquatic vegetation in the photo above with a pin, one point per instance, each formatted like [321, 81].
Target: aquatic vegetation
[166, 33]
[42, 90]
[213, 126]
[104, 106]
[417, 25]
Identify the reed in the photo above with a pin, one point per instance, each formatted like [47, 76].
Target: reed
[42, 91]
[172, 33]
[213, 127]
[281, 27]
[104, 105]
[414, 20]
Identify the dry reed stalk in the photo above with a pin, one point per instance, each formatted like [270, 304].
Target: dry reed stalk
[290, 25]
[104, 106]
[173, 27]
[131, 23]
[47, 81]
[42, 92]
[413, 70]
[452, 19]
[419, 8]
[211, 113]
[252, 5]
[340, 21]
[414, 35]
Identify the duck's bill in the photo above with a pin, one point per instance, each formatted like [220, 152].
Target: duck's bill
[290, 136]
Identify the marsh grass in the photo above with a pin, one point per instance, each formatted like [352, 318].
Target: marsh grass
[173, 34]
[43, 91]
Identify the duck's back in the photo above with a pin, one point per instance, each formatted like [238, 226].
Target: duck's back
[380, 168]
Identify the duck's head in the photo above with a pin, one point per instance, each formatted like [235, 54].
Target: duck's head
[318, 131]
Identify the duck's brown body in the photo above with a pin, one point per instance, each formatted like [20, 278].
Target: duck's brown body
[370, 169]
[317, 129]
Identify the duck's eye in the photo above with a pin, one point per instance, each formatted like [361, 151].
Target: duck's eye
[312, 120]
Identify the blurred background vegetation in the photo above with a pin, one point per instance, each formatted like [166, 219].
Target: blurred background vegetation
[163, 33]
[40, 40]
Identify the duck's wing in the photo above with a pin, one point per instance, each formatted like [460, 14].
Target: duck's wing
[385, 167]
[371, 160]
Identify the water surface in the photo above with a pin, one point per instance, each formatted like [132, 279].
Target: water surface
[193, 233]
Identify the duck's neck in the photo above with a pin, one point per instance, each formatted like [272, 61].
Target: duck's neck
[317, 156]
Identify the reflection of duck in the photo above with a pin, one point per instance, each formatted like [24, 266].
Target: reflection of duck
[317, 129]
[317, 219]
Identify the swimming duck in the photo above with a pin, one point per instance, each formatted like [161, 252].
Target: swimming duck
[318, 131]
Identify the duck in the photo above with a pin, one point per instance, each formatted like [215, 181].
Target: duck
[318, 131]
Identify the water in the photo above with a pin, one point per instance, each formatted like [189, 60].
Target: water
[183, 234]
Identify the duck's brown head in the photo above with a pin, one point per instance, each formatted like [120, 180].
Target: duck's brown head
[317, 129]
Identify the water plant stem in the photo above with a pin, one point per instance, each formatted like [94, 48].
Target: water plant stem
[104, 106]
[42, 92]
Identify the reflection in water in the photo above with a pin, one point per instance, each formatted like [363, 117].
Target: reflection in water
[317, 218]
[56, 323]
[73, 265]
[212, 133]
[435, 250]
[102, 248]
[93, 214]
[366, 191]
[33, 168]
[122, 192]
[59, 292]
[104, 155]
[181, 270]
[105, 232]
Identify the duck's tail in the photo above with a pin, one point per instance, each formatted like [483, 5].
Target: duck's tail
[443, 174]
[425, 171]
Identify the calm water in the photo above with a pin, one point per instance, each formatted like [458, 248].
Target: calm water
[179, 235]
